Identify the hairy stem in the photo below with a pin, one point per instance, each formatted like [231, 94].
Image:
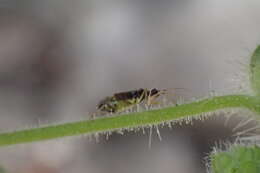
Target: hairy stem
[130, 120]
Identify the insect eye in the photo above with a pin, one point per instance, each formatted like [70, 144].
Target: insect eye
[154, 91]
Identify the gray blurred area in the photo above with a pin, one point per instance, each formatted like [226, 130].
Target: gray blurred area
[59, 58]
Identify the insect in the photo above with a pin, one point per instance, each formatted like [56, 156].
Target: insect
[124, 100]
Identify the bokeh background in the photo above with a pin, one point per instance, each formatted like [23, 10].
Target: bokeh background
[58, 58]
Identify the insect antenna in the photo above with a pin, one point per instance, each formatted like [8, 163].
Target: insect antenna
[171, 91]
[167, 90]
[152, 94]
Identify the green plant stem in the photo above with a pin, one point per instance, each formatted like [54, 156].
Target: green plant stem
[255, 71]
[131, 120]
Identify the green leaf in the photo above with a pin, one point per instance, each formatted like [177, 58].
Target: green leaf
[238, 159]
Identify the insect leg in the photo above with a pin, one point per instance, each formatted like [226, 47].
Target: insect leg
[142, 97]
[151, 98]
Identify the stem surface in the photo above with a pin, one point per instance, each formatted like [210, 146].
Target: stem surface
[130, 120]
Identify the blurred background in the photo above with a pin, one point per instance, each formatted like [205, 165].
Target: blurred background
[59, 58]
